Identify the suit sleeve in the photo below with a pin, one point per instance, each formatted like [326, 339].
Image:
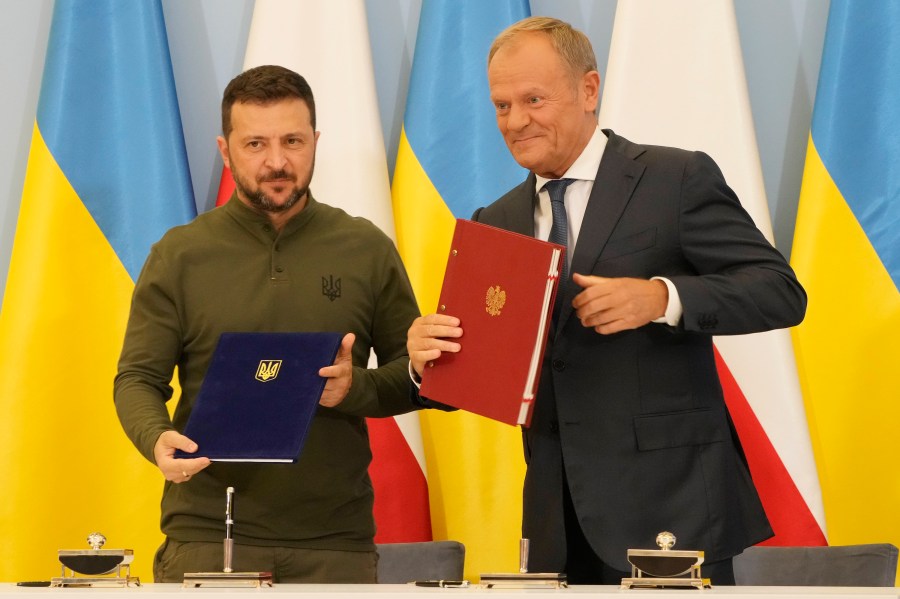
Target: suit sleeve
[742, 283]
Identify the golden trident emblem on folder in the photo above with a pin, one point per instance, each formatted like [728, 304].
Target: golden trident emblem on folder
[268, 370]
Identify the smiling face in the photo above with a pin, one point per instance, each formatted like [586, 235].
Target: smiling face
[544, 111]
[271, 151]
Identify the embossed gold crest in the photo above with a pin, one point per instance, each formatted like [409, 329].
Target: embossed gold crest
[268, 370]
[494, 300]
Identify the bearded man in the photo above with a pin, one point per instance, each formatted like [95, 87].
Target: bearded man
[273, 259]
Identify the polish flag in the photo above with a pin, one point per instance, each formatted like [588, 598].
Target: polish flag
[676, 77]
[328, 43]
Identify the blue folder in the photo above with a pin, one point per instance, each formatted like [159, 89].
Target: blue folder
[259, 396]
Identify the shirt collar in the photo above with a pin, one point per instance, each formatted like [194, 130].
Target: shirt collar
[251, 218]
[586, 165]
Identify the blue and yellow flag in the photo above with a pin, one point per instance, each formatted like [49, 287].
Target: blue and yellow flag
[847, 254]
[107, 175]
[450, 161]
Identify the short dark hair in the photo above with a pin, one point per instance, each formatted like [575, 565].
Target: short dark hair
[262, 85]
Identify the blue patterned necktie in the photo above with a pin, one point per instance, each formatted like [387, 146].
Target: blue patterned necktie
[559, 232]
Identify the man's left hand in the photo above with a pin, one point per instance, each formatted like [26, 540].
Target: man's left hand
[611, 305]
[339, 374]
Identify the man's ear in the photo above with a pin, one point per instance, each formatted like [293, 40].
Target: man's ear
[223, 150]
[590, 87]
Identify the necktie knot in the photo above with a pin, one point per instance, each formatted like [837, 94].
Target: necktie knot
[557, 189]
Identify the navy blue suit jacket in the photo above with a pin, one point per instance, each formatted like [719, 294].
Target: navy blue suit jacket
[636, 421]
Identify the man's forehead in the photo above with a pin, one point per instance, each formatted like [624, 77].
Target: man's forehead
[285, 104]
[282, 114]
[524, 43]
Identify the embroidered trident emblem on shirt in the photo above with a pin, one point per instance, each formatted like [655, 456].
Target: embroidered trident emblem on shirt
[331, 287]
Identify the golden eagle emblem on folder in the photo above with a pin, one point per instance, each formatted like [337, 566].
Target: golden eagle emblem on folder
[268, 370]
[494, 300]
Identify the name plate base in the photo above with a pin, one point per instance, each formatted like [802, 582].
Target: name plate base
[227, 580]
[95, 582]
[666, 583]
[524, 580]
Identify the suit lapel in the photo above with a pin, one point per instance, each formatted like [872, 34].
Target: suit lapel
[520, 215]
[616, 179]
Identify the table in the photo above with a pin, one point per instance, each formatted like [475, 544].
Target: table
[383, 591]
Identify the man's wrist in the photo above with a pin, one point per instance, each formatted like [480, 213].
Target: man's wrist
[674, 309]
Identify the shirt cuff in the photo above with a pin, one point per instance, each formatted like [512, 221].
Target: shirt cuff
[674, 309]
[415, 378]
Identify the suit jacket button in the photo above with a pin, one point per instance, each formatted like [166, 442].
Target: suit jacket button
[554, 426]
[559, 365]
[708, 321]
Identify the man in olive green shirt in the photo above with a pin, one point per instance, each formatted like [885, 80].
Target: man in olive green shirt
[271, 260]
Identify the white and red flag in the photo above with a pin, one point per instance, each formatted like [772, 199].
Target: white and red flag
[676, 77]
[328, 43]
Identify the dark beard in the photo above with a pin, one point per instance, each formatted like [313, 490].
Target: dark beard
[259, 199]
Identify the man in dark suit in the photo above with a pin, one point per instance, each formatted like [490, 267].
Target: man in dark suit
[630, 434]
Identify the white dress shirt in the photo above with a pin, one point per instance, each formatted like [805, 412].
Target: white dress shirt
[583, 171]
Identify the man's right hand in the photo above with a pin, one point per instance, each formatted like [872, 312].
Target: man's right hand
[174, 469]
[429, 336]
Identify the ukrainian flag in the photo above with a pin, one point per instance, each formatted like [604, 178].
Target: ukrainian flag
[450, 161]
[107, 175]
[847, 254]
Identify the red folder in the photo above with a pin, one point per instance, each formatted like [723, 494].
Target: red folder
[502, 286]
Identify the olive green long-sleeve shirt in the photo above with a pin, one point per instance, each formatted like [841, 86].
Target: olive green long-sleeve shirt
[230, 271]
